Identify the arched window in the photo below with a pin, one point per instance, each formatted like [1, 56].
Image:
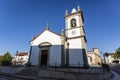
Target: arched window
[90, 59]
[73, 23]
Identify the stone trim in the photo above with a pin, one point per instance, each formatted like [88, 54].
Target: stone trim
[67, 54]
[62, 55]
[30, 55]
[76, 13]
[85, 59]
[44, 44]
[76, 37]
[74, 28]
[42, 32]
[62, 51]
[72, 14]
[40, 53]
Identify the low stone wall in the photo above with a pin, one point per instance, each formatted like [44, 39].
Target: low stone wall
[10, 70]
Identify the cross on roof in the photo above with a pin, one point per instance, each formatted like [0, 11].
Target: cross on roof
[47, 25]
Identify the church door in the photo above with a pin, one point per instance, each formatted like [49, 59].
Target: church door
[44, 57]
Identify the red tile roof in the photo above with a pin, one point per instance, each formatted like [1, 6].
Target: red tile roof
[22, 54]
[111, 53]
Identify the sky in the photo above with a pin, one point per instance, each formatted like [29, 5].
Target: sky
[20, 20]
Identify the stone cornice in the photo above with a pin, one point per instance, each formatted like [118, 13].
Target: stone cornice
[74, 28]
[72, 14]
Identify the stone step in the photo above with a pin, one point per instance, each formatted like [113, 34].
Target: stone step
[28, 72]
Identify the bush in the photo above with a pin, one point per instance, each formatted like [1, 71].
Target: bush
[6, 63]
[116, 61]
[6, 59]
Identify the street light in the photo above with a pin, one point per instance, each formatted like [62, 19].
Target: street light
[16, 56]
[106, 55]
[101, 57]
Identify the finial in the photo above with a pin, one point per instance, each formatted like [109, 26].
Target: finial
[66, 12]
[47, 25]
[79, 8]
[62, 32]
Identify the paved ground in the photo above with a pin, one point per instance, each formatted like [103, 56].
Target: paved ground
[116, 71]
[82, 76]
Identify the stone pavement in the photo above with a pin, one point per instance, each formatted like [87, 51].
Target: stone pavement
[82, 77]
[44, 75]
[115, 76]
[58, 74]
[115, 71]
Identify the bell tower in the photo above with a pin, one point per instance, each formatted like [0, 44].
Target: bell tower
[76, 40]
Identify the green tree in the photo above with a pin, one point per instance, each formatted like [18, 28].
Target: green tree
[7, 58]
[117, 54]
[1, 59]
[118, 51]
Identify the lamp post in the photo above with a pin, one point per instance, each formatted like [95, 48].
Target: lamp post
[106, 55]
[101, 57]
[16, 56]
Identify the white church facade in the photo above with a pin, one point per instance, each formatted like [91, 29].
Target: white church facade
[65, 49]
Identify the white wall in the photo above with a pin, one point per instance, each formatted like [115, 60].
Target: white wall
[75, 52]
[54, 51]
[75, 44]
[109, 59]
[78, 21]
[74, 32]
[47, 36]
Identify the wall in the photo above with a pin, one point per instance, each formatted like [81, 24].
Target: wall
[91, 55]
[55, 55]
[54, 49]
[78, 20]
[34, 55]
[75, 52]
[95, 57]
[47, 36]
[10, 70]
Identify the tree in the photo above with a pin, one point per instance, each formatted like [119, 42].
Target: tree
[7, 58]
[1, 59]
[118, 51]
[117, 54]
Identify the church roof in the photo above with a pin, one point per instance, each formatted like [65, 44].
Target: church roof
[43, 31]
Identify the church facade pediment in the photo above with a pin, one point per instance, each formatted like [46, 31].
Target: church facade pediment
[47, 36]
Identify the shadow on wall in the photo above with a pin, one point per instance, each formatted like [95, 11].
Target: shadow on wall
[56, 55]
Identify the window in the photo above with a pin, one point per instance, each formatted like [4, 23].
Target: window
[73, 23]
[90, 59]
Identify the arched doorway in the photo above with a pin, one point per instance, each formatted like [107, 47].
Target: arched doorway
[44, 57]
[44, 53]
[89, 59]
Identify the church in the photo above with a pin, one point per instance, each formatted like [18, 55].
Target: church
[67, 49]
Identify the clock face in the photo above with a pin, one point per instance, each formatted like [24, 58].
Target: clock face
[73, 32]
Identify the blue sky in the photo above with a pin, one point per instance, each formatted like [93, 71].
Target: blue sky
[20, 20]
